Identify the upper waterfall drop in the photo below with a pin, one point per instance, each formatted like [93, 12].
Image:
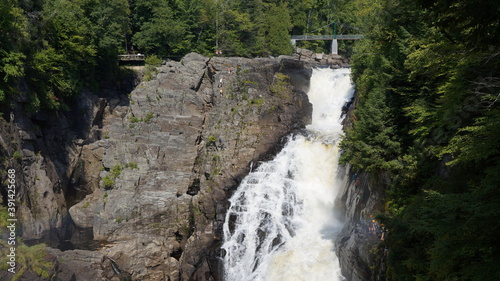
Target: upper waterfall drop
[281, 223]
[329, 91]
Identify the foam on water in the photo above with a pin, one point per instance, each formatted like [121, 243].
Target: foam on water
[281, 223]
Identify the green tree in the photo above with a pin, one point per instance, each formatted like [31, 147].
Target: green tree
[13, 26]
[157, 30]
[428, 104]
[110, 24]
[62, 59]
[277, 25]
[235, 33]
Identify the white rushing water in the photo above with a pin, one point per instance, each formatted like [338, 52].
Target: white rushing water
[281, 223]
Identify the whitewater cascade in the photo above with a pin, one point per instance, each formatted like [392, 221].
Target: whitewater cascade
[281, 223]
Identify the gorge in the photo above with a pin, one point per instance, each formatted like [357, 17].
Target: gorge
[282, 223]
[142, 185]
[127, 173]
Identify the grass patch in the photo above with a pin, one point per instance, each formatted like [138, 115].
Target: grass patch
[134, 119]
[17, 155]
[211, 140]
[257, 102]
[148, 117]
[150, 72]
[116, 170]
[27, 258]
[153, 60]
[108, 182]
[281, 85]
[133, 165]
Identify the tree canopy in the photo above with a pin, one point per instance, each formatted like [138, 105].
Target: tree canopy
[427, 80]
[426, 75]
[56, 47]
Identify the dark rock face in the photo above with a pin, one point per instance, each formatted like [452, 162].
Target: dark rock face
[46, 152]
[359, 250]
[150, 173]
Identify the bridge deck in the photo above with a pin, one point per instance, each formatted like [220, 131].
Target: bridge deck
[327, 37]
[138, 57]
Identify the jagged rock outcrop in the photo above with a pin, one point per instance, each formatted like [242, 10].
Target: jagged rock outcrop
[180, 147]
[44, 149]
[359, 243]
[52, 169]
[331, 60]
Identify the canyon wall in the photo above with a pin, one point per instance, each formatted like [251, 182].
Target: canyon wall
[133, 184]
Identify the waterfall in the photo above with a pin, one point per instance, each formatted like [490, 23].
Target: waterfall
[281, 222]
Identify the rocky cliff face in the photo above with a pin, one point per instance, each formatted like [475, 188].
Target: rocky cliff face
[180, 146]
[148, 174]
[45, 149]
[359, 247]
[359, 243]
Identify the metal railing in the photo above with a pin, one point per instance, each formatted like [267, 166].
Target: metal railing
[138, 57]
[327, 37]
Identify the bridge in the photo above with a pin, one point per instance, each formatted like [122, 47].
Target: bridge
[131, 57]
[334, 37]
[327, 37]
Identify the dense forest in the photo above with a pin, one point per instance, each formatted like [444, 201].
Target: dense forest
[53, 48]
[427, 76]
[428, 80]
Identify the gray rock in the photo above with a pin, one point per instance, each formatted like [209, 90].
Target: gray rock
[357, 245]
[188, 150]
[79, 265]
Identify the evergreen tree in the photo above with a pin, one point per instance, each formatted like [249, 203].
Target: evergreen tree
[157, 30]
[13, 26]
[424, 83]
[276, 29]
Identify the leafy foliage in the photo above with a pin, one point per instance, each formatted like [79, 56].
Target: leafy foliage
[428, 114]
[57, 47]
[108, 181]
[28, 258]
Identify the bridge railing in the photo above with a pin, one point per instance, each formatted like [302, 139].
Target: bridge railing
[138, 57]
[327, 37]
